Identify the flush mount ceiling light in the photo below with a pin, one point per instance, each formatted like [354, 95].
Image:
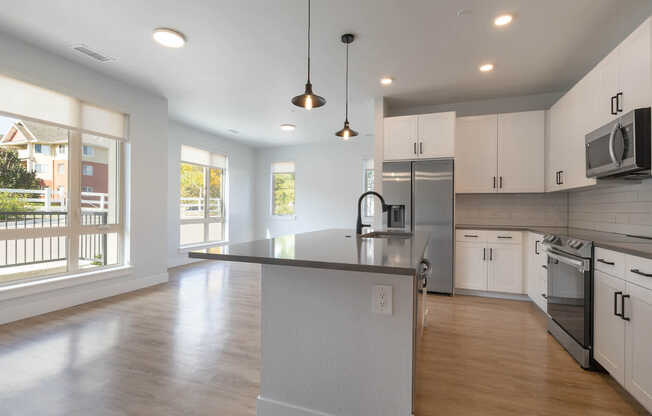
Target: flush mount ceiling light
[288, 127]
[308, 99]
[386, 80]
[487, 67]
[169, 38]
[503, 19]
[346, 133]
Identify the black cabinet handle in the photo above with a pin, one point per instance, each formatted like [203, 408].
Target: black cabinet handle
[491, 254]
[543, 295]
[622, 315]
[544, 266]
[637, 271]
[557, 180]
[484, 254]
[561, 178]
[613, 112]
[421, 147]
[618, 97]
[494, 182]
[470, 235]
[501, 182]
[610, 263]
[616, 303]
[415, 148]
[504, 236]
[536, 247]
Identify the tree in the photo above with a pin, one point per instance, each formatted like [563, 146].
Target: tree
[14, 175]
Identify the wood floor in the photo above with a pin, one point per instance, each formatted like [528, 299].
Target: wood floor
[191, 347]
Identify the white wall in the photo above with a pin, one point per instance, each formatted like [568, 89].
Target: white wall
[147, 165]
[240, 198]
[328, 184]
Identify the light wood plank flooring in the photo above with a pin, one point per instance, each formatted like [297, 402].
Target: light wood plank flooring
[191, 347]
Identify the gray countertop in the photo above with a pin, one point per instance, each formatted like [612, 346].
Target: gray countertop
[635, 246]
[336, 249]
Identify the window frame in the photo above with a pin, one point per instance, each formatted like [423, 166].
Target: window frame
[74, 230]
[87, 166]
[207, 219]
[271, 191]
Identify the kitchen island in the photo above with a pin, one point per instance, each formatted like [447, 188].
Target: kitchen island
[340, 319]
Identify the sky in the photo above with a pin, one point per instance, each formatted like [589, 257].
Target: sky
[5, 124]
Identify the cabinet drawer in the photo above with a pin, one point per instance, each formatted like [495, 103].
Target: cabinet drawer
[479, 236]
[636, 269]
[610, 262]
[513, 237]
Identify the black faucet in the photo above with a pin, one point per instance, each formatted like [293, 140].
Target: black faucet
[359, 224]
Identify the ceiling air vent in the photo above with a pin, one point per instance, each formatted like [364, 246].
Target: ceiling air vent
[91, 53]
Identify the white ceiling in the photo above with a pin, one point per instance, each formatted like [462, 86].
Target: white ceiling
[245, 59]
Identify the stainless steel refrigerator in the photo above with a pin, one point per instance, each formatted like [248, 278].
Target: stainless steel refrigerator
[426, 189]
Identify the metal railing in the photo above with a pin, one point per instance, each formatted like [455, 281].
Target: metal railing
[194, 207]
[26, 251]
[49, 200]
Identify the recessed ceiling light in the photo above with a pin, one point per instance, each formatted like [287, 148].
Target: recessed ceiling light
[169, 38]
[503, 19]
[486, 67]
[386, 80]
[288, 127]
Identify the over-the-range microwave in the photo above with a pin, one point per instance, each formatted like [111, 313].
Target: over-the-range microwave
[620, 148]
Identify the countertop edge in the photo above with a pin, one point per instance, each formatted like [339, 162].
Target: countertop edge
[541, 230]
[404, 271]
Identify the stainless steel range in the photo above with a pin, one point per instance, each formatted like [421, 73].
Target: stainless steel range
[570, 294]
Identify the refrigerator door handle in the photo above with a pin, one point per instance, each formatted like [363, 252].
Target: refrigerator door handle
[484, 254]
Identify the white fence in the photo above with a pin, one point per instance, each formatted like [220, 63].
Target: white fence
[57, 201]
[194, 207]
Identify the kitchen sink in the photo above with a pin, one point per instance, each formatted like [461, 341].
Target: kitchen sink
[386, 234]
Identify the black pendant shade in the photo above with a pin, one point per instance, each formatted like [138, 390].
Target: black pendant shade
[308, 99]
[347, 132]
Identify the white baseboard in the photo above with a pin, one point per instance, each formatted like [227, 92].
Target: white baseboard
[496, 295]
[44, 302]
[268, 407]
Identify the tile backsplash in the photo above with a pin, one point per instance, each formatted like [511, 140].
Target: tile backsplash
[620, 208]
[512, 209]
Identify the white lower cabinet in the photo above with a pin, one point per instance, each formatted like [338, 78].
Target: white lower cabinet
[609, 336]
[488, 263]
[537, 274]
[638, 342]
[623, 327]
[471, 266]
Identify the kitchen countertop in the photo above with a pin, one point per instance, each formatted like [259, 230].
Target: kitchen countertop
[336, 249]
[635, 246]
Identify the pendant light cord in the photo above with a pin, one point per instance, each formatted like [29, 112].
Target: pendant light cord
[347, 83]
[308, 41]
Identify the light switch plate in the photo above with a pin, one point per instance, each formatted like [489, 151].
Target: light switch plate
[381, 300]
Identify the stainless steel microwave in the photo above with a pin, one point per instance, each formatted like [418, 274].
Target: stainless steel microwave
[620, 148]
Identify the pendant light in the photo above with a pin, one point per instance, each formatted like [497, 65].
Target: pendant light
[346, 133]
[308, 99]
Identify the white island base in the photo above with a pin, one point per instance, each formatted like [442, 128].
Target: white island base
[325, 353]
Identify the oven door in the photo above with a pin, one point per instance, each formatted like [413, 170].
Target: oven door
[569, 295]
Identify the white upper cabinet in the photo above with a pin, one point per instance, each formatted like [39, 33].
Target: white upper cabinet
[521, 152]
[437, 135]
[401, 137]
[476, 147]
[500, 153]
[426, 136]
[621, 82]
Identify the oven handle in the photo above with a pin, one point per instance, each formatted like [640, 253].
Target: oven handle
[580, 265]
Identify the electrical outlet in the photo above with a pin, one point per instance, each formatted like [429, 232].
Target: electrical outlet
[381, 300]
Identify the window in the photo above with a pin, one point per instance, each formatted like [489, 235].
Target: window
[41, 168]
[42, 148]
[87, 189]
[38, 236]
[88, 151]
[202, 196]
[368, 185]
[87, 170]
[283, 189]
